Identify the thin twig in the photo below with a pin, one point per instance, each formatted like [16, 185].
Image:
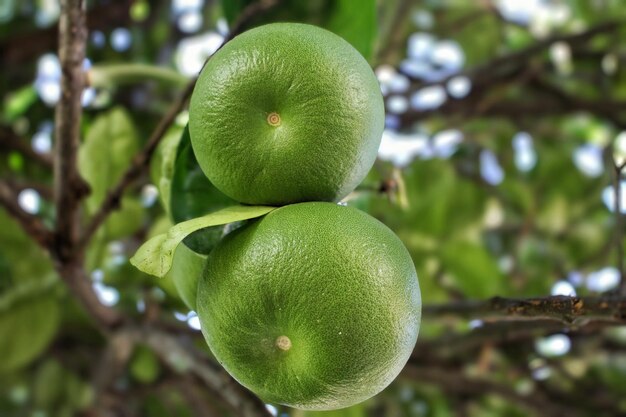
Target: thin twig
[563, 308]
[248, 14]
[76, 279]
[500, 70]
[19, 185]
[453, 381]
[619, 226]
[500, 333]
[32, 225]
[10, 141]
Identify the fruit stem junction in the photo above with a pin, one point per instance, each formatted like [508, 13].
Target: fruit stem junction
[273, 119]
[283, 343]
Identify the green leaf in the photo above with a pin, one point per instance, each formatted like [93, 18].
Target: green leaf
[473, 270]
[17, 103]
[155, 256]
[59, 391]
[109, 147]
[355, 21]
[193, 195]
[231, 9]
[162, 164]
[144, 366]
[47, 389]
[125, 221]
[29, 318]
[25, 260]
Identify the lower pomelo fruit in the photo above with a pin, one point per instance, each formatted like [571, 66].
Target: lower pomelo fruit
[315, 306]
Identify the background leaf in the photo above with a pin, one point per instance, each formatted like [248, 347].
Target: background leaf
[109, 146]
[29, 319]
[353, 20]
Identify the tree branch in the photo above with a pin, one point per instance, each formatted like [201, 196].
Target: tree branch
[501, 70]
[619, 225]
[500, 333]
[19, 185]
[10, 141]
[568, 310]
[20, 47]
[76, 279]
[515, 59]
[169, 349]
[453, 381]
[68, 186]
[32, 225]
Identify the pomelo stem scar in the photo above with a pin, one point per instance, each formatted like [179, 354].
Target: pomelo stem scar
[273, 119]
[283, 343]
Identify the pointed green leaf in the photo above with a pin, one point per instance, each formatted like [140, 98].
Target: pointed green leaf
[193, 195]
[472, 269]
[355, 21]
[155, 256]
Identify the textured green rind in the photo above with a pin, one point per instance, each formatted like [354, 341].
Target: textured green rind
[334, 280]
[329, 102]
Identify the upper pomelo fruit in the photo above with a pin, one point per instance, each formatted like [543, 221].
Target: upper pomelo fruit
[315, 305]
[286, 113]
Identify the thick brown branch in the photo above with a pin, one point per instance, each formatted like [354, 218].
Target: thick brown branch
[565, 309]
[500, 333]
[32, 225]
[10, 141]
[68, 186]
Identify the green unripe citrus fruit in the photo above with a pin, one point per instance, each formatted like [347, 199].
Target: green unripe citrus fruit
[315, 305]
[286, 113]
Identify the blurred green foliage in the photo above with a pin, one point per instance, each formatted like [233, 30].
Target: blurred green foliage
[470, 237]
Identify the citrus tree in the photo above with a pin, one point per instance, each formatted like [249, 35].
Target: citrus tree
[134, 282]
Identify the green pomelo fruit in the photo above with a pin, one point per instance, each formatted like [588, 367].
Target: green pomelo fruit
[286, 113]
[315, 305]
